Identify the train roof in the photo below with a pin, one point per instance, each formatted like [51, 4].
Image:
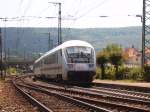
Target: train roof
[75, 43]
[64, 45]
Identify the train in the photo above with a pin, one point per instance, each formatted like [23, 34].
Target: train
[73, 61]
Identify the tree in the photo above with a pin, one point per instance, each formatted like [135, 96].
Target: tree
[112, 53]
[116, 60]
[115, 56]
[102, 59]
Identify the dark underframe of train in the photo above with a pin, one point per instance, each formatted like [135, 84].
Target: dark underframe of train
[74, 78]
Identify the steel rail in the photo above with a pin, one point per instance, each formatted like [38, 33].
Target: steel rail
[32, 100]
[124, 91]
[102, 95]
[114, 97]
[98, 102]
[75, 101]
[94, 102]
[120, 93]
[125, 87]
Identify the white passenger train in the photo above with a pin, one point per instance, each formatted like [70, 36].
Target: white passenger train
[73, 61]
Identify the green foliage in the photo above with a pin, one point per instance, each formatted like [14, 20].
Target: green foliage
[147, 68]
[113, 54]
[11, 71]
[113, 49]
[98, 73]
[115, 57]
[102, 59]
[124, 73]
[147, 73]
[110, 73]
[136, 73]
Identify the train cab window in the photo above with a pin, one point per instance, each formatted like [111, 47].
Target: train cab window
[79, 54]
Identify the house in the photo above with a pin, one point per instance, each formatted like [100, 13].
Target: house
[133, 57]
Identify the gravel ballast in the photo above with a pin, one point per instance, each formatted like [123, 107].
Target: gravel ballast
[13, 101]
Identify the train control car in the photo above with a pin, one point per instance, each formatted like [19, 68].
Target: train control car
[73, 61]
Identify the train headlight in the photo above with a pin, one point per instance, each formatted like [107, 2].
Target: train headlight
[91, 65]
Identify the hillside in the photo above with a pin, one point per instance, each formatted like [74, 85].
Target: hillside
[35, 40]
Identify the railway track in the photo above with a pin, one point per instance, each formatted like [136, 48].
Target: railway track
[139, 96]
[115, 92]
[32, 100]
[122, 93]
[123, 87]
[99, 98]
[53, 101]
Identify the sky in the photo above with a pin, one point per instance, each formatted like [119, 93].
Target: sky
[75, 13]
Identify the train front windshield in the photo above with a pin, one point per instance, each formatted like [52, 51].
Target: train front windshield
[80, 54]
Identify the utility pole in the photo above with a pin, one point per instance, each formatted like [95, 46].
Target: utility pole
[143, 36]
[59, 25]
[49, 41]
[8, 54]
[59, 22]
[24, 52]
[146, 33]
[24, 55]
[5, 54]
[1, 56]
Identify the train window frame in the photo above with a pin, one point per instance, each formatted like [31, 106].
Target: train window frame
[79, 47]
[90, 58]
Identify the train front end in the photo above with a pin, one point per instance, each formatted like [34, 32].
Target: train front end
[81, 64]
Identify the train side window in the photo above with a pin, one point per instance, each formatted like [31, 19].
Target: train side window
[37, 64]
[55, 57]
[46, 60]
[60, 52]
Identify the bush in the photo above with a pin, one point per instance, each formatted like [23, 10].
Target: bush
[98, 73]
[147, 73]
[11, 71]
[123, 72]
[136, 73]
[110, 73]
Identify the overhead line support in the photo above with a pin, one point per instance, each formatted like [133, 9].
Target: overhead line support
[146, 33]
